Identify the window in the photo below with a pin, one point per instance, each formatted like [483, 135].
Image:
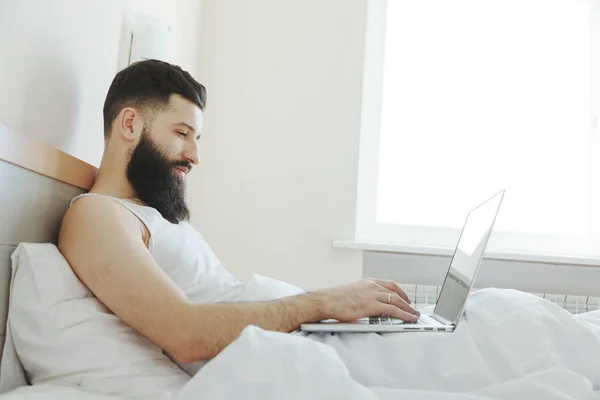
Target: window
[463, 98]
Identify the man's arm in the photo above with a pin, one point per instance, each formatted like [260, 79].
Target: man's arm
[103, 243]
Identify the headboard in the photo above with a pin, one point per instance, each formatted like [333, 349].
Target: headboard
[37, 182]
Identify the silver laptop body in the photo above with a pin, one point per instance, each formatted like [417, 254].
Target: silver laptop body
[457, 285]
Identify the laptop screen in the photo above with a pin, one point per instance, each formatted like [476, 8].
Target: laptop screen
[466, 260]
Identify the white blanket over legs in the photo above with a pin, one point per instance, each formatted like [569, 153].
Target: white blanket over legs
[510, 345]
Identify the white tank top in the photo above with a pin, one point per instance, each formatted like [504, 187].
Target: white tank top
[181, 251]
[183, 254]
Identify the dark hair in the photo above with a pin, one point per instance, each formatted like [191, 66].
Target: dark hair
[147, 85]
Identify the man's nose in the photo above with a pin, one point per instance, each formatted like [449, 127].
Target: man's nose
[191, 154]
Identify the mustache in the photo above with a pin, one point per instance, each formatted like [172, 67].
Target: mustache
[182, 164]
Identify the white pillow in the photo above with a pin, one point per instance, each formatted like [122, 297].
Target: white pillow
[63, 334]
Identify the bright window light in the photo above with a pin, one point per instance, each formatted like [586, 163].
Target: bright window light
[482, 95]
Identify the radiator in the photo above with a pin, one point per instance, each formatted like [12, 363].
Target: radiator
[427, 295]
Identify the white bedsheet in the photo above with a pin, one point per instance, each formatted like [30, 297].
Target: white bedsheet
[511, 345]
[54, 392]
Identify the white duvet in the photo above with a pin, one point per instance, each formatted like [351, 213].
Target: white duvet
[48, 391]
[511, 345]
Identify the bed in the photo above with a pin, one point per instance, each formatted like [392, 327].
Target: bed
[37, 182]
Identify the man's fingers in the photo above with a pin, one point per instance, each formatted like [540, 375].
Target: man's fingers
[392, 286]
[397, 301]
[394, 312]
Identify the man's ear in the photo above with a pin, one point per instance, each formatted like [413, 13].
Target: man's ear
[130, 124]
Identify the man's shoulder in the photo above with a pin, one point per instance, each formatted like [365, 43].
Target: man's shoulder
[93, 207]
[100, 211]
[93, 221]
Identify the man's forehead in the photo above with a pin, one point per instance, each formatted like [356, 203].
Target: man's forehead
[185, 111]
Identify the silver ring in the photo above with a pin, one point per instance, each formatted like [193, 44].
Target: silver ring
[389, 298]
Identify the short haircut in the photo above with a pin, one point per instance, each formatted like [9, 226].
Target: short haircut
[148, 85]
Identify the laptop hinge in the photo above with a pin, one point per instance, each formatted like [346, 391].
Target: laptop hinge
[441, 320]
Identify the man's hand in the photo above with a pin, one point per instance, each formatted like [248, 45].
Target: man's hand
[368, 297]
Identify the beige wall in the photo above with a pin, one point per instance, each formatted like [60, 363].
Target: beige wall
[278, 181]
[59, 57]
[280, 151]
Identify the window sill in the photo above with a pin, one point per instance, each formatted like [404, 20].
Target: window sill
[590, 261]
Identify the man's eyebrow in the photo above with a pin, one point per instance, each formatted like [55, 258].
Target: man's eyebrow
[191, 128]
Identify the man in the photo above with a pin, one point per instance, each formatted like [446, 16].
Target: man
[130, 243]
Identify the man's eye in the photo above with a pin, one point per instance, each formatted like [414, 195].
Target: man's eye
[182, 133]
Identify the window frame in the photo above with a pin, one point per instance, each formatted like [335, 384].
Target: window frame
[368, 230]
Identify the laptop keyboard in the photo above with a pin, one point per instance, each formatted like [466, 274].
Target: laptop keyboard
[382, 320]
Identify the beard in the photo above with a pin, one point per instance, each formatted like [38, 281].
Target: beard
[150, 172]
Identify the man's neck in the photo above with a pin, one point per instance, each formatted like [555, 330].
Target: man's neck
[113, 184]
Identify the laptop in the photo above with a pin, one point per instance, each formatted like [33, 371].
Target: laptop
[457, 284]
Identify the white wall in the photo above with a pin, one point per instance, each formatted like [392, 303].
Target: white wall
[278, 181]
[57, 59]
[280, 151]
